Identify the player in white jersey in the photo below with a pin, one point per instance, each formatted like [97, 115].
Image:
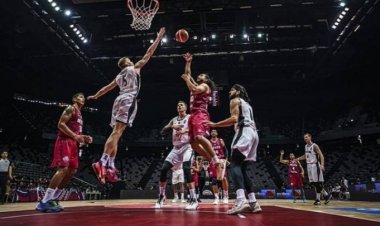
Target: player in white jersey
[124, 108]
[177, 183]
[315, 168]
[179, 156]
[244, 148]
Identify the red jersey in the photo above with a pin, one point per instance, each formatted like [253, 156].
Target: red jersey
[199, 102]
[75, 123]
[218, 147]
[293, 167]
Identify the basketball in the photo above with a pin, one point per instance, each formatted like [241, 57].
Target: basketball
[181, 35]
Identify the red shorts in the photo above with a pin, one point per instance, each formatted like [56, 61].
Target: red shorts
[295, 180]
[195, 179]
[65, 153]
[213, 171]
[197, 126]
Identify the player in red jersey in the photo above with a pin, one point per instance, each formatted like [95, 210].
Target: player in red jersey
[195, 169]
[296, 173]
[66, 156]
[201, 91]
[218, 174]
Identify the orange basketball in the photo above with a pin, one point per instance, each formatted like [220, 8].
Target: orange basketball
[181, 35]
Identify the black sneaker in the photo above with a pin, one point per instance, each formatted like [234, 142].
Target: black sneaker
[317, 202]
[199, 200]
[328, 198]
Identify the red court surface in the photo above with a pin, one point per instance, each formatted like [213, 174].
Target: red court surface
[145, 214]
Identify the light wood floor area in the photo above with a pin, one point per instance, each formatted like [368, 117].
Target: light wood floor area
[327, 209]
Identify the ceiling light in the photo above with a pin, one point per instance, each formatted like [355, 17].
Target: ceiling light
[232, 36]
[195, 37]
[342, 4]
[213, 36]
[164, 40]
[53, 4]
[67, 12]
[259, 35]
[57, 8]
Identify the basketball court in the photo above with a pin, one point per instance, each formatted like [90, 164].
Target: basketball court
[240, 42]
[142, 212]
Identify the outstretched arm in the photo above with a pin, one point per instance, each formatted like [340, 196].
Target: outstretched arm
[301, 168]
[234, 110]
[189, 58]
[166, 128]
[303, 157]
[282, 160]
[103, 90]
[193, 87]
[149, 53]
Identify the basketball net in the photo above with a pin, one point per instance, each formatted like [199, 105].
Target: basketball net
[143, 12]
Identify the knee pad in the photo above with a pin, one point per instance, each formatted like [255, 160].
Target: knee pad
[187, 171]
[164, 171]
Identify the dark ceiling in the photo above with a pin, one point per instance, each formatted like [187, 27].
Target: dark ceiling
[299, 59]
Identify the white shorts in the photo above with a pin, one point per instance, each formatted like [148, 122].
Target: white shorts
[178, 155]
[124, 110]
[177, 176]
[314, 172]
[246, 140]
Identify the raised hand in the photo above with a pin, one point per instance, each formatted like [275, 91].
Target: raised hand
[161, 33]
[188, 57]
[92, 97]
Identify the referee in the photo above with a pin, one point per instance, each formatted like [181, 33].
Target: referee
[5, 174]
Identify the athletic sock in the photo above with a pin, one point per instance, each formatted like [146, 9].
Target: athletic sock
[162, 191]
[252, 197]
[111, 162]
[48, 195]
[57, 193]
[104, 159]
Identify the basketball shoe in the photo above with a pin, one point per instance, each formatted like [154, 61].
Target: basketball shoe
[56, 203]
[317, 202]
[111, 175]
[225, 200]
[47, 207]
[255, 207]
[175, 198]
[192, 205]
[240, 206]
[216, 201]
[328, 198]
[160, 202]
[100, 172]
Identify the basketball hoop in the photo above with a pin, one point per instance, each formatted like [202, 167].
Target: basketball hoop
[143, 12]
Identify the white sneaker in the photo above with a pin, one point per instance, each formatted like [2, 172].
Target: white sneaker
[160, 202]
[239, 207]
[192, 205]
[175, 199]
[183, 200]
[216, 201]
[255, 207]
[225, 200]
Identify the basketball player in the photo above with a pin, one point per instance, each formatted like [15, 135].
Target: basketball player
[296, 173]
[218, 174]
[124, 108]
[177, 183]
[66, 157]
[5, 176]
[180, 155]
[200, 93]
[195, 170]
[244, 145]
[315, 168]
